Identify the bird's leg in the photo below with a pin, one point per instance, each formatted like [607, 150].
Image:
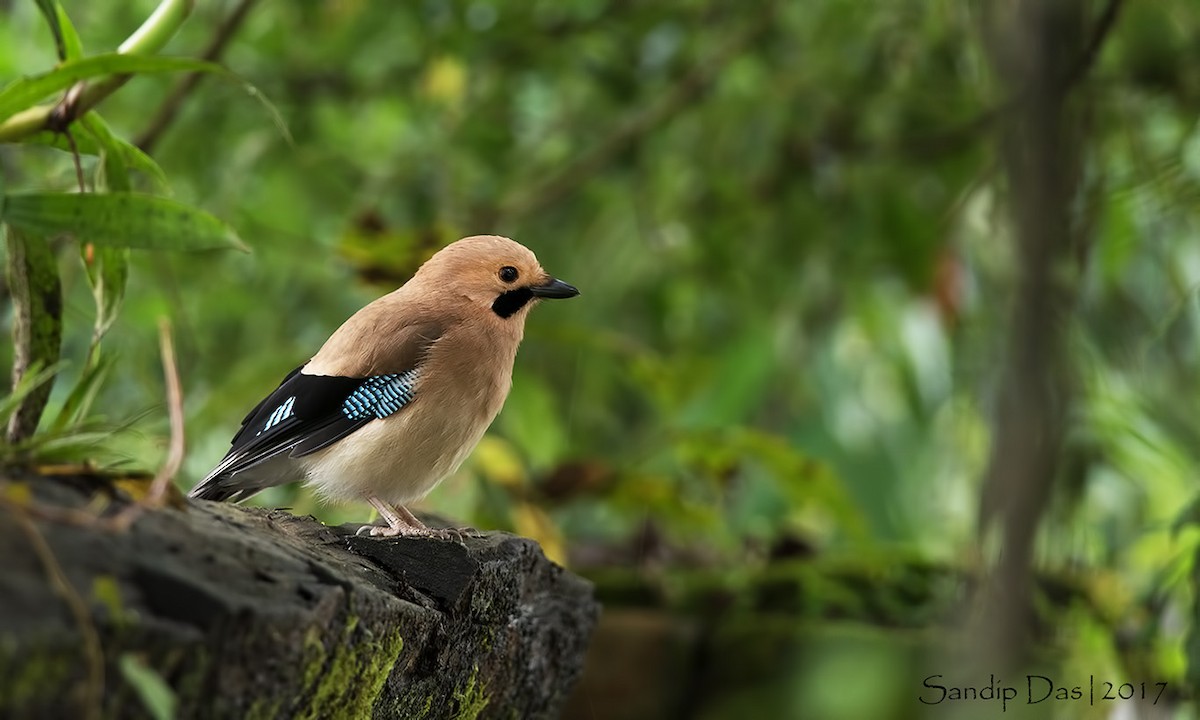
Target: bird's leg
[402, 523]
[397, 526]
[456, 534]
[409, 518]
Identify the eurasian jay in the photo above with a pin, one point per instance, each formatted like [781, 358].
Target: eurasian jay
[401, 393]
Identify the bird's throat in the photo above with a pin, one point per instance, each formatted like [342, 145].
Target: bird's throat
[508, 303]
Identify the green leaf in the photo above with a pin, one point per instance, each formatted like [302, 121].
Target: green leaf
[114, 171]
[108, 273]
[66, 40]
[73, 46]
[156, 694]
[75, 408]
[84, 144]
[107, 267]
[72, 446]
[34, 377]
[21, 94]
[1189, 517]
[49, 10]
[122, 219]
[129, 154]
[89, 144]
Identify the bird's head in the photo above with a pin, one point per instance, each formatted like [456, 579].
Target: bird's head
[495, 272]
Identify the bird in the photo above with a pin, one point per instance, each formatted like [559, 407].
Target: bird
[399, 395]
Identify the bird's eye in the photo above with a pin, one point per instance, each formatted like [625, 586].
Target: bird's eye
[508, 274]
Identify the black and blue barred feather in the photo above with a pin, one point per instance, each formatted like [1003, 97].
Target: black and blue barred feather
[303, 415]
[380, 396]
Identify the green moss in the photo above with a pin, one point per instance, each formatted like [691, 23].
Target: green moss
[425, 709]
[33, 675]
[416, 700]
[313, 657]
[263, 709]
[485, 639]
[344, 682]
[471, 699]
[107, 592]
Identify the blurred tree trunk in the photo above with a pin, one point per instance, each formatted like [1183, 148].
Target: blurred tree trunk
[1039, 50]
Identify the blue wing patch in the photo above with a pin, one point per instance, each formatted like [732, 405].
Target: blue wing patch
[380, 396]
[283, 412]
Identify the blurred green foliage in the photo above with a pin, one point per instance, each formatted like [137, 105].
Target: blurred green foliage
[106, 218]
[788, 226]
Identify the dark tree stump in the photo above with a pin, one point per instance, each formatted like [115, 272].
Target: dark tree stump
[251, 613]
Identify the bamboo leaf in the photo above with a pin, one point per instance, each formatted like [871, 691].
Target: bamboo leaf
[85, 144]
[114, 170]
[129, 154]
[23, 93]
[107, 267]
[79, 402]
[71, 446]
[88, 144]
[34, 377]
[72, 46]
[119, 219]
[49, 10]
[66, 40]
[156, 695]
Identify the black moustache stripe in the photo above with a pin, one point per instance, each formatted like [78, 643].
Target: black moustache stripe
[510, 302]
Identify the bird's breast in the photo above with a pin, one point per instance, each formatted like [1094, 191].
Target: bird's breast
[402, 457]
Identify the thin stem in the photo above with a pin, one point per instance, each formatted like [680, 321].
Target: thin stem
[148, 39]
[157, 495]
[158, 29]
[170, 108]
[686, 90]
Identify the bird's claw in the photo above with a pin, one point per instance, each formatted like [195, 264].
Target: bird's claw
[458, 535]
[383, 531]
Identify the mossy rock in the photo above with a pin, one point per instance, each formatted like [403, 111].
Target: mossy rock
[244, 612]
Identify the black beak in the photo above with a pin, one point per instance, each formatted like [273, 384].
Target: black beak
[553, 288]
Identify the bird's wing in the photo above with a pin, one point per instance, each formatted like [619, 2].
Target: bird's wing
[305, 414]
[375, 398]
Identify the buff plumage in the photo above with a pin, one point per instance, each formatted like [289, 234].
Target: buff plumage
[400, 394]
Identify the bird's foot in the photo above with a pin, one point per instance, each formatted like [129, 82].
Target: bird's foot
[458, 535]
[376, 530]
[402, 523]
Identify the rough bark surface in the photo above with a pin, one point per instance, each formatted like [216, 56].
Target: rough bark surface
[252, 613]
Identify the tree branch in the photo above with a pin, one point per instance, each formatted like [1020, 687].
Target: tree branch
[954, 138]
[170, 107]
[686, 91]
[1104, 25]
